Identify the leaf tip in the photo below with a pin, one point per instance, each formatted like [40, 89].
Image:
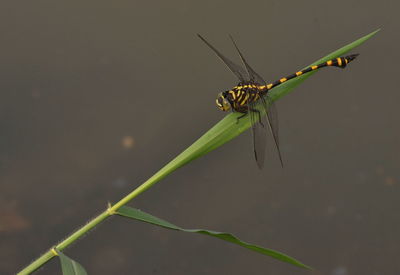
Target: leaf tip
[374, 32]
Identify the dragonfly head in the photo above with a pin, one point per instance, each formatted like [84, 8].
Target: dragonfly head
[222, 102]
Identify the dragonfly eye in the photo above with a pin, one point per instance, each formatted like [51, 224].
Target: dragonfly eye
[222, 103]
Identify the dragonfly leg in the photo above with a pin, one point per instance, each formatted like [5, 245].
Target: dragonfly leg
[238, 118]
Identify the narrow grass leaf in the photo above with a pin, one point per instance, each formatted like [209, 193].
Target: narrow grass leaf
[69, 266]
[136, 214]
[228, 128]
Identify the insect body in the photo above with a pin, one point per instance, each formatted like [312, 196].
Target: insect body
[252, 90]
[241, 95]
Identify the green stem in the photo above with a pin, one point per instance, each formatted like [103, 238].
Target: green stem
[65, 243]
[83, 230]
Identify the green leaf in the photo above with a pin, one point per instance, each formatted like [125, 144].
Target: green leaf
[136, 214]
[227, 129]
[222, 132]
[69, 266]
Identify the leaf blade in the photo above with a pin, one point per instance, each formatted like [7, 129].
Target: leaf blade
[228, 128]
[136, 214]
[69, 266]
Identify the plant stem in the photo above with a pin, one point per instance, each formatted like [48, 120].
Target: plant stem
[86, 228]
[65, 243]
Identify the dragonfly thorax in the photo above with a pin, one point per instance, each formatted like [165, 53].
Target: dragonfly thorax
[238, 97]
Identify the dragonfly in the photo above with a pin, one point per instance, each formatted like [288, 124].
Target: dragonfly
[251, 96]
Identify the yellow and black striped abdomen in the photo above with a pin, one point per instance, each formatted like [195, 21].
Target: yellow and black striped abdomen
[340, 62]
[244, 93]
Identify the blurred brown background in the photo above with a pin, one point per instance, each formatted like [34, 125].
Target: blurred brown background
[96, 96]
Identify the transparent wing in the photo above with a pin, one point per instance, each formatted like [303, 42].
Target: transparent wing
[272, 119]
[252, 75]
[237, 70]
[259, 135]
